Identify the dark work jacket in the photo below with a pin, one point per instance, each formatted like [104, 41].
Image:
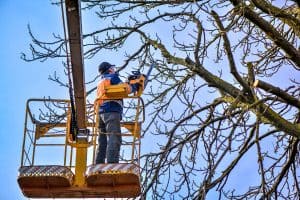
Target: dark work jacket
[117, 104]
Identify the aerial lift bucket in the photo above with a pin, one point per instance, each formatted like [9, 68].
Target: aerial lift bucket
[119, 180]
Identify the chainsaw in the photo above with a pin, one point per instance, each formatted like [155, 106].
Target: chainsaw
[141, 79]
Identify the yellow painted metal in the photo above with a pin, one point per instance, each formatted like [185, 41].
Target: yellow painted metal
[80, 166]
[135, 130]
[73, 15]
[39, 129]
[43, 130]
[95, 131]
[24, 136]
[119, 191]
[119, 91]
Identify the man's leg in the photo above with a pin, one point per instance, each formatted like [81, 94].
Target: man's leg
[102, 143]
[113, 128]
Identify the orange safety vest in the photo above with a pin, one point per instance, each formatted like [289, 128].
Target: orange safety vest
[101, 90]
[101, 93]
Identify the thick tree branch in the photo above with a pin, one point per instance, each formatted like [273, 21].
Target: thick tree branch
[269, 116]
[201, 105]
[284, 15]
[278, 92]
[233, 68]
[271, 32]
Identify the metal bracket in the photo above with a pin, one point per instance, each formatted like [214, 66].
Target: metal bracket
[82, 134]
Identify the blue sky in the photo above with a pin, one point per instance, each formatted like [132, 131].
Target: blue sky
[20, 80]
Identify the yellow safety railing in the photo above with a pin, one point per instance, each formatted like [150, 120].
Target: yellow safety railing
[47, 126]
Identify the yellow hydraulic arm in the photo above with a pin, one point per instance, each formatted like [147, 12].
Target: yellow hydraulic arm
[112, 180]
[73, 13]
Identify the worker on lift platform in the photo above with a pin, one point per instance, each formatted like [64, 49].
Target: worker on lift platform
[109, 115]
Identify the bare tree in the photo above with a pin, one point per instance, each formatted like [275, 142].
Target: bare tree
[221, 124]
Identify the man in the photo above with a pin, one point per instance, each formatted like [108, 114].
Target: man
[110, 115]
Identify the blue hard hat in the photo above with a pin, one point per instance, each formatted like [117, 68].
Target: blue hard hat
[104, 66]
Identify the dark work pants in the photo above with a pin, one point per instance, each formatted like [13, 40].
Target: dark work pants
[109, 143]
